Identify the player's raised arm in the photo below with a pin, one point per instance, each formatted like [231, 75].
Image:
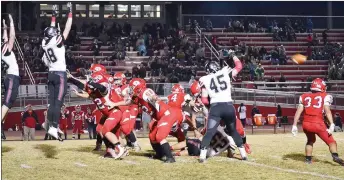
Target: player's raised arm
[4, 35]
[69, 21]
[238, 66]
[12, 34]
[53, 16]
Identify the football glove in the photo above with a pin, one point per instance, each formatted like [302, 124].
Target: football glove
[55, 12]
[294, 130]
[69, 6]
[330, 130]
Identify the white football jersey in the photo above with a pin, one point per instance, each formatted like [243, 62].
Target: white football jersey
[54, 53]
[219, 143]
[218, 85]
[10, 59]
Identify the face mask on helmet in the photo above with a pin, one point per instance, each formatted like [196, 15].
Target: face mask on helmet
[212, 67]
[50, 32]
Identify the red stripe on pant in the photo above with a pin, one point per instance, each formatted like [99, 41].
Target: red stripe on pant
[77, 127]
[9, 91]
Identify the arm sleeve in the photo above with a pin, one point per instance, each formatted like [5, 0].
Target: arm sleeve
[77, 83]
[102, 89]
[300, 101]
[328, 100]
[45, 60]
[4, 50]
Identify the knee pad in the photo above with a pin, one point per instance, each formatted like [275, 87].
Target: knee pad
[126, 129]
[152, 137]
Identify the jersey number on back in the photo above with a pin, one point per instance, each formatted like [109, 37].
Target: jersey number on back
[50, 55]
[220, 81]
[174, 98]
[309, 101]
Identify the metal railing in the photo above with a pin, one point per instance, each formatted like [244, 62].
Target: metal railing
[26, 66]
[239, 94]
[221, 20]
[212, 49]
[198, 34]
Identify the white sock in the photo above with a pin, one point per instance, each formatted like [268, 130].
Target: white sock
[242, 152]
[203, 154]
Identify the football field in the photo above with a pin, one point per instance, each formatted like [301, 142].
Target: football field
[279, 156]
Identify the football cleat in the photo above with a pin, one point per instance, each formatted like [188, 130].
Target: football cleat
[121, 152]
[203, 155]
[98, 147]
[53, 132]
[308, 161]
[338, 160]
[137, 148]
[170, 160]
[247, 148]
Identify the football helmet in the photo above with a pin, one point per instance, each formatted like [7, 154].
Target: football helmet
[119, 78]
[212, 67]
[50, 32]
[99, 77]
[195, 88]
[97, 68]
[318, 85]
[77, 108]
[177, 88]
[136, 85]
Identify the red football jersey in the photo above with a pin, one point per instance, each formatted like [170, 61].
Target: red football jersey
[176, 100]
[156, 109]
[99, 99]
[78, 116]
[97, 115]
[115, 96]
[313, 104]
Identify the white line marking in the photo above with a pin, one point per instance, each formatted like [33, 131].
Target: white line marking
[80, 164]
[131, 162]
[25, 166]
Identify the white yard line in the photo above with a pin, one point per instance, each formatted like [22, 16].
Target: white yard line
[80, 164]
[25, 166]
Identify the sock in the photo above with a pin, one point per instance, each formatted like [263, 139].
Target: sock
[203, 154]
[334, 154]
[242, 152]
[166, 149]
[308, 158]
[108, 144]
[117, 145]
[65, 136]
[244, 140]
[156, 147]
[99, 139]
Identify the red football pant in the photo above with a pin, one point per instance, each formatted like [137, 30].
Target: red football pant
[78, 127]
[112, 121]
[159, 130]
[312, 129]
[63, 125]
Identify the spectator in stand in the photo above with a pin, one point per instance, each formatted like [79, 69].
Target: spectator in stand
[259, 71]
[234, 41]
[282, 55]
[200, 53]
[281, 80]
[135, 72]
[324, 36]
[127, 74]
[142, 71]
[127, 28]
[275, 55]
[242, 114]
[262, 53]
[209, 26]
[272, 80]
[316, 40]
[309, 40]
[29, 120]
[95, 47]
[309, 52]
[309, 25]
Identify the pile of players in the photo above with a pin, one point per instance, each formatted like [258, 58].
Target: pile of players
[118, 105]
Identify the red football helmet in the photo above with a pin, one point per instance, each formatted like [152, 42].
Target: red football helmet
[177, 88]
[97, 68]
[136, 85]
[318, 85]
[77, 108]
[109, 78]
[99, 77]
[119, 78]
[195, 88]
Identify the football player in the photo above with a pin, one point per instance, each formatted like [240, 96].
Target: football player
[97, 88]
[313, 104]
[216, 86]
[129, 116]
[54, 59]
[63, 124]
[78, 119]
[12, 79]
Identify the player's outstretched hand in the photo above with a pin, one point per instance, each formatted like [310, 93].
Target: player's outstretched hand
[11, 19]
[294, 130]
[54, 10]
[69, 6]
[330, 130]
[69, 75]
